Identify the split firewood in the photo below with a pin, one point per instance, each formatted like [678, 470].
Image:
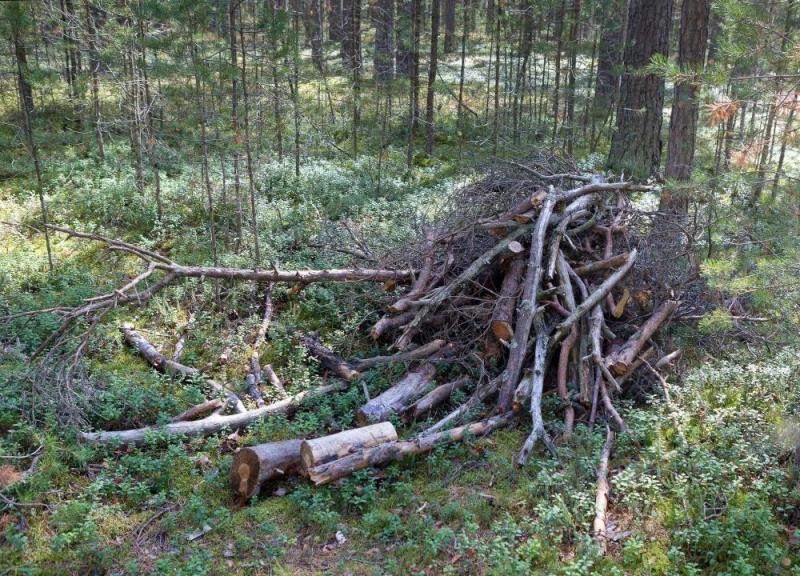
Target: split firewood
[210, 424]
[165, 365]
[506, 301]
[432, 399]
[319, 451]
[391, 451]
[340, 368]
[601, 495]
[255, 465]
[416, 354]
[620, 361]
[400, 394]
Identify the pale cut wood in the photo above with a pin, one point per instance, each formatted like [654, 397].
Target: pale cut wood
[506, 301]
[432, 399]
[611, 262]
[318, 451]
[385, 453]
[254, 465]
[197, 410]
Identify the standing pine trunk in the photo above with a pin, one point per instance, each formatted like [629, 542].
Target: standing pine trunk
[335, 21]
[636, 143]
[683, 122]
[558, 35]
[251, 187]
[235, 120]
[383, 20]
[313, 23]
[94, 70]
[449, 25]
[434, 60]
[355, 56]
[574, 23]
[403, 37]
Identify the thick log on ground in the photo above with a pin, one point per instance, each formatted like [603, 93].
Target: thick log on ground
[432, 399]
[255, 465]
[341, 368]
[318, 451]
[392, 451]
[211, 424]
[506, 301]
[620, 361]
[403, 392]
[163, 364]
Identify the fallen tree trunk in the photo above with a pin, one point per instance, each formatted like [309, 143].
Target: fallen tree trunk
[255, 465]
[197, 410]
[620, 361]
[254, 378]
[392, 451]
[404, 391]
[318, 451]
[163, 364]
[388, 323]
[432, 399]
[209, 425]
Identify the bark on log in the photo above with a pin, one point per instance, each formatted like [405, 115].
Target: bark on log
[417, 354]
[211, 424]
[391, 451]
[481, 394]
[319, 451]
[253, 466]
[331, 361]
[620, 361]
[432, 399]
[527, 308]
[404, 391]
[506, 301]
[273, 379]
[163, 364]
[254, 378]
[601, 495]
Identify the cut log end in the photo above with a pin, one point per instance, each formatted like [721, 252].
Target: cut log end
[244, 473]
[502, 330]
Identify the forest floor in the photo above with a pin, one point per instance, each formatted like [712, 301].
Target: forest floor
[706, 484]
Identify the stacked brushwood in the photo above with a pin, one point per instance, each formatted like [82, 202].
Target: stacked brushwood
[535, 279]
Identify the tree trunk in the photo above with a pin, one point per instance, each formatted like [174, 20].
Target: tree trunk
[94, 69]
[683, 122]
[251, 185]
[449, 25]
[312, 17]
[636, 143]
[383, 19]
[403, 37]
[432, 64]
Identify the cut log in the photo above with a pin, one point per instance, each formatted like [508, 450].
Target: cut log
[253, 466]
[211, 424]
[340, 368]
[601, 494]
[322, 450]
[163, 364]
[506, 301]
[417, 354]
[403, 392]
[432, 399]
[392, 451]
[620, 361]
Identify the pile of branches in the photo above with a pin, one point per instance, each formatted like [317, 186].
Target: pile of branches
[537, 276]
